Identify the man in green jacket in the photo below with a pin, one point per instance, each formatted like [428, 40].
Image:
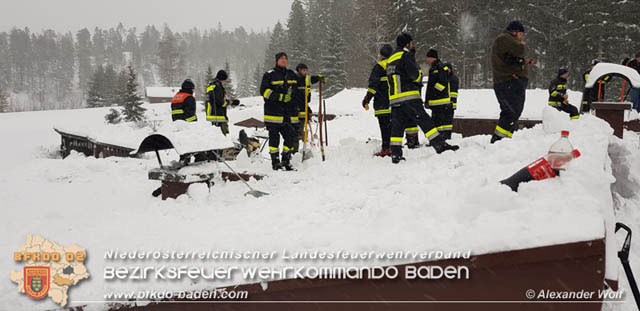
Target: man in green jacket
[510, 77]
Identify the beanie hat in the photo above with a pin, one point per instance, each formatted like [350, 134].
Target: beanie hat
[386, 50]
[562, 71]
[280, 55]
[515, 26]
[301, 66]
[188, 85]
[222, 75]
[403, 39]
[432, 53]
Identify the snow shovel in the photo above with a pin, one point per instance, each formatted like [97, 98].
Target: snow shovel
[253, 192]
[623, 254]
[306, 149]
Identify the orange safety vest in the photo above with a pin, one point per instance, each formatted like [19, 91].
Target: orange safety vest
[177, 108]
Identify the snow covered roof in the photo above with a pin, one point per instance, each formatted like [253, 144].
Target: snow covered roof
[163, 92]
[186, 138]
[603, 69]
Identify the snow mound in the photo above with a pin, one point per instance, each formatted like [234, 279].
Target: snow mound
[353, 201]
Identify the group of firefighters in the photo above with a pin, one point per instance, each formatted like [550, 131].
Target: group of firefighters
[395, 85]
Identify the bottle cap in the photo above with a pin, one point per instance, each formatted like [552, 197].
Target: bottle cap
[576, 153]
[565, 133]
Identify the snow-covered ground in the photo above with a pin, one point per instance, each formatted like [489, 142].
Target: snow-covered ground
[353, 201]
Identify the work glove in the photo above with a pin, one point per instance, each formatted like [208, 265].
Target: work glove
[235, 102]
[323, 78]
[287, 97]
[365, 102]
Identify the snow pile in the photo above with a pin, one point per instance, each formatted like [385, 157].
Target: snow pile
[602, 69]
[625, 156]
[352, 202]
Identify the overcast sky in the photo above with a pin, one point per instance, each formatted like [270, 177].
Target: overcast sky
[72, 15]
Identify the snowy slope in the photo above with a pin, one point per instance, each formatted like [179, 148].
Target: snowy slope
[351, 202]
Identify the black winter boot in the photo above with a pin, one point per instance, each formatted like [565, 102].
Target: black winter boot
[286, 161]
[441, 145]
[275, 162]
[412, 141]
[396, 159]
[495, 138]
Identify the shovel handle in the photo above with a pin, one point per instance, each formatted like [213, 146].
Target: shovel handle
[626, 246]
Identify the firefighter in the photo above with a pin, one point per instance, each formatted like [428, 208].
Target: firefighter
[597, 92]
[437, 97]
[183, 104]
[454, 86]
[217, 102]
[635, 93]
[558, 97]
[379, 91]
[304, 83]
[405, 81]
[510, 77]
[277, 88]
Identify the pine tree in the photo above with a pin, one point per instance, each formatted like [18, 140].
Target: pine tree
[168, 58]
[318, 12]
[333, 56]
[113, 117]
[230, 90]
[4, 102]
[149, 41]
[258, 73]
[110, 86]
[277, 44]
[83, 54]
[297, 34]
[245, 89]
[208, 78]
[132, 104]
[95, 94]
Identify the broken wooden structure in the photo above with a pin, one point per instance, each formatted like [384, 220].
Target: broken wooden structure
[88, 146]
[177, 177]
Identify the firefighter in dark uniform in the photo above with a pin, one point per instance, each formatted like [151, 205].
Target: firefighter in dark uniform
[405, 81]
[558, 97]
[217, 102]
[437, 97]
[277, 88]
[183, 104]
[510, 77]
[597, 92]
[454, 86]
[304, 83]
[379, 91]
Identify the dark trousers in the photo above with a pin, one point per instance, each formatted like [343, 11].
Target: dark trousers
[570, 109]
[442, 116]
[384, 121]
[287, 132]
[409, 112]
[298, 129]
[511, 95]
[635, 99]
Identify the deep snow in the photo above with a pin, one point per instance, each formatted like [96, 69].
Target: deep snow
[353, 201]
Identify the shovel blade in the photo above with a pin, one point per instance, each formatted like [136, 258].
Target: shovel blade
[306, 152]
[256, 193]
